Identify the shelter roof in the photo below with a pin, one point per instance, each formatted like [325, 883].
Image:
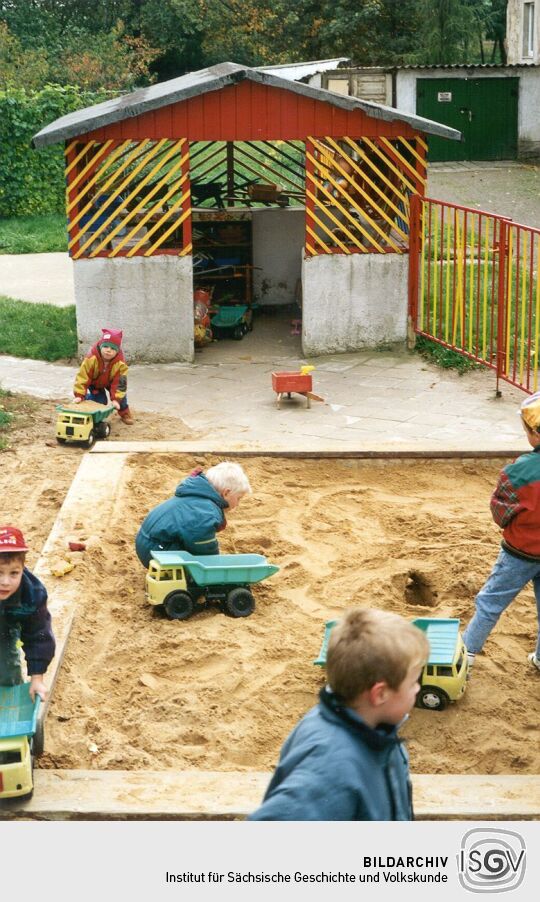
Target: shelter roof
[216, 78]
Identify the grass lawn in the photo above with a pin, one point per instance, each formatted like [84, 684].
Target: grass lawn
[38, 331]
[33, 234]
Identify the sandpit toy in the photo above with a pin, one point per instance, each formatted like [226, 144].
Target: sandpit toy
[182, 583]
[84, 422]
[444, 677]
[21, 740]
[301, 383]
[232, 322]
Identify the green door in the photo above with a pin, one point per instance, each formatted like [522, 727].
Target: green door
[484, 110]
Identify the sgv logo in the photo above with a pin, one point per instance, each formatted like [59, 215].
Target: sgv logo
[491, 861]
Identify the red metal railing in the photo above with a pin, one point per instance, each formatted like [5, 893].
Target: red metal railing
[474, 287]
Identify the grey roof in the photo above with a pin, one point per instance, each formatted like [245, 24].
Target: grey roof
[213, 79]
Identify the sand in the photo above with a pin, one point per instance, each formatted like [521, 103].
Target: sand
[215, 693]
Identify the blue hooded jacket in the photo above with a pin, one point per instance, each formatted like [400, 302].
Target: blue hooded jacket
[27, 610]
[186, 522]
[333, 767]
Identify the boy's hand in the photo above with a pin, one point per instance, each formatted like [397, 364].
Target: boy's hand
[77, 400]
[116, 405]
[38, 687]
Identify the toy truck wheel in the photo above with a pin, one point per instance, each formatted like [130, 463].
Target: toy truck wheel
[61, 441]
[238, 333]
[91, 439]
[103, 430]
[240, 603]
[432, 698]
[38, 740]
[178, 606]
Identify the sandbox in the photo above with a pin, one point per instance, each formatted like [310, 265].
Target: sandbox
[139, 694]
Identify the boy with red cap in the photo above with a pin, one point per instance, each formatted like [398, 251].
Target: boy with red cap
[24, 616]
[105, 369]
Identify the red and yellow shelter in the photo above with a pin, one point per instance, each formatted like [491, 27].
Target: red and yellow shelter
[231, 144]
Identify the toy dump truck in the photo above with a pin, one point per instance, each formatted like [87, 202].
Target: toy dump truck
[84, 422]
[444, 676]
[21, 740]
[183, 583]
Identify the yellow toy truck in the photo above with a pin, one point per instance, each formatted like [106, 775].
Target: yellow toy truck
[21, 740]
[84, 422]
[444, 676]
[182, 583]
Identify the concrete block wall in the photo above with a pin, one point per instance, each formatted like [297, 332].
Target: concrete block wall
[150, 299]
[278, 240]
[353, 302]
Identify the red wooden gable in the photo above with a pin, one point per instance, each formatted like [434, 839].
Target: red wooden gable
[250, 112]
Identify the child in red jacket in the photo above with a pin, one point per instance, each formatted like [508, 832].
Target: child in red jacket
[105, 369]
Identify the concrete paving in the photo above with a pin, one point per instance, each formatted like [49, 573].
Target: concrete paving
[39, 278]
[374, 401]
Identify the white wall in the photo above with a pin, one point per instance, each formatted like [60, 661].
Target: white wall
[528, 103]
[354, 301]
[514, 32]
[278, 240]
[150, 299]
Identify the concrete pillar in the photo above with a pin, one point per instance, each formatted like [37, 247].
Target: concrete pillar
[353, 302]
[149, 298]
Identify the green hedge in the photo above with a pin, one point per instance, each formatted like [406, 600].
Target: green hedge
[32, 181]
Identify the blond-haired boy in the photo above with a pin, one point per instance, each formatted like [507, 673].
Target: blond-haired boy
[190, 519]
[344, 761]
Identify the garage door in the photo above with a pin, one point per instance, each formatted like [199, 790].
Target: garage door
[485, 110]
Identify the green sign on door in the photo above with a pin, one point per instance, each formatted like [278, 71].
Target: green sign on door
[485, 110]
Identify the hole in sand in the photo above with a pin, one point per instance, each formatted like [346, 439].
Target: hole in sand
[419, 591]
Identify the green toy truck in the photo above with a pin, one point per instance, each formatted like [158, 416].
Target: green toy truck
[444, 676]
[83, 422]
[182, 583]
[21, 740]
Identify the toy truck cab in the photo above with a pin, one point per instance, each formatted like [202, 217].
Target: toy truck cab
[182, 583]
[444, 676]
[84, 422]
[21, 739]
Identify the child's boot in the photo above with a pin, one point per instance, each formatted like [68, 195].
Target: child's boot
[125, 416]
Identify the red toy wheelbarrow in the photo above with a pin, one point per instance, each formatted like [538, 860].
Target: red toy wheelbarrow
[301, 383]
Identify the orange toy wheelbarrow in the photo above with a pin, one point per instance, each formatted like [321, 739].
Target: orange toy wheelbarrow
[301, 383]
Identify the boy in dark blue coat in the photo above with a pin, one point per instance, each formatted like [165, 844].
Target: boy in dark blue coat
[344, 761]
[24, 616]
[189, 521]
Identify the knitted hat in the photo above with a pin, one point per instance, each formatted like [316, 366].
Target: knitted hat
[11, 539]
[111, 338]
[530, 411]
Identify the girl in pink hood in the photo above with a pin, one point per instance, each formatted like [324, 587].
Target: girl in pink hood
[104, 369]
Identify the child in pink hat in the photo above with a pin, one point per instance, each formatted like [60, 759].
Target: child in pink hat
[104, 369]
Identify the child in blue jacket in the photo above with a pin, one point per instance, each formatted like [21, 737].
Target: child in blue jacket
[190, 519]
[24, 616]
[344, 761]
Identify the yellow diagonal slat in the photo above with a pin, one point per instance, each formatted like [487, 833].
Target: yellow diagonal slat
[173, 149]
[412, 149]
[186, 250]
[157, 206]
[69, 147]
[311, 250]
[354, 222]
[389, 163]
[91, 182]
[379, 191]
[79, 156]
[101, 150]
[317, 238]
[370, 200]
[134, 154]
[117, 211]
[391, 147]
[325, 228]
[422, 143]
[380, 174]
[348, 216]
[175, 225]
